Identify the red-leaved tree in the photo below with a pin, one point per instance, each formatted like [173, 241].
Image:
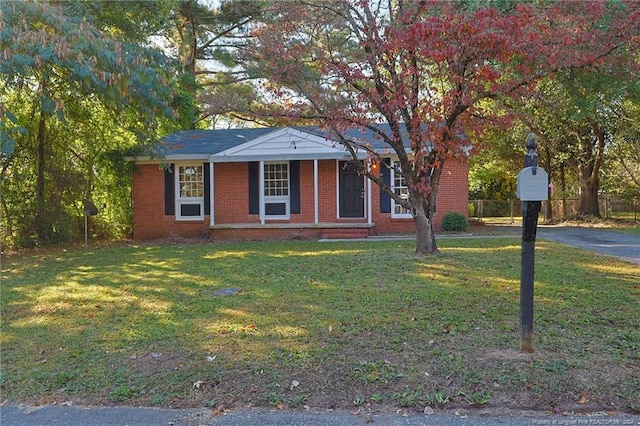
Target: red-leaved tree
[429, 71]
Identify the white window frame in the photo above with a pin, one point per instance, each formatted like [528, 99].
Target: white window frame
[398, 183]
[180, 170]
[284, 197]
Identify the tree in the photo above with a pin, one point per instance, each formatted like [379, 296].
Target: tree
[622, 176]
[203, 38]
[60, 78]
[429, 70]
[577, 115]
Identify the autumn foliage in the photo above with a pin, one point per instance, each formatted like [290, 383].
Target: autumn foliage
[434, 72]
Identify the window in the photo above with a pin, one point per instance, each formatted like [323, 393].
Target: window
[276, 190]
[190, 193]
[400, 187]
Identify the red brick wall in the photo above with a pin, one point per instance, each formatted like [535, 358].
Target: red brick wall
[231, 186]
[453, 196]
[231, 202]
[149, 220]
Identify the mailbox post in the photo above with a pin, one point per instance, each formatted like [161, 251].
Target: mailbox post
[532, 189]
[90, 209]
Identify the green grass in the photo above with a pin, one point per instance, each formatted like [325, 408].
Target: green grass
[336, 325]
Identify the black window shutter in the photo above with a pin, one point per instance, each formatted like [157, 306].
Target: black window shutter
[170, 190]
[385, 174]
[207, 188]
[294, 184]
[254, 187]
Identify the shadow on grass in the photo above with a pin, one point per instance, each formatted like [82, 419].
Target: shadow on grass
[350, 323]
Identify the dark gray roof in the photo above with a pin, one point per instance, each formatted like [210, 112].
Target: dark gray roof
[203, 143]
[207, 142]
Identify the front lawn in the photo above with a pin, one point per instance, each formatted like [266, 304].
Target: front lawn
[358, 325]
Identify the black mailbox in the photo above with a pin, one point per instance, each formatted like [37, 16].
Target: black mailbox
[90, 209]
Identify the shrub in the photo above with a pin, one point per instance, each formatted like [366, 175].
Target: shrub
[455, 222]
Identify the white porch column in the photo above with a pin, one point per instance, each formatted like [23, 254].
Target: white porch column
[315, 191]
[212, 189]
[261, 191]
[369, 202]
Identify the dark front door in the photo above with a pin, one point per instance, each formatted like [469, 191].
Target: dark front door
[351, 191]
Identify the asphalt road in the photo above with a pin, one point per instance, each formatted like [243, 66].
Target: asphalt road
[121, 416]
[612, 243]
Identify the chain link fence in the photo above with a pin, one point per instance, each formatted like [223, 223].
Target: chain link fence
[609, 208]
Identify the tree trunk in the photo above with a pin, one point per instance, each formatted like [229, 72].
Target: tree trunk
[548, 206]
[40, 224]
[422, 209]
[563, 187]
[425, 237]
[589, 187]
[590, 172]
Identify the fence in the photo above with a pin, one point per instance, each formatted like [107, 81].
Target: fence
[609, 208]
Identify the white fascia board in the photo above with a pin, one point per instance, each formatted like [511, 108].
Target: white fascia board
[168, 158]
[283, 157]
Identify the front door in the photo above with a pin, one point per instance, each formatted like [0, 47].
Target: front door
[351, 191]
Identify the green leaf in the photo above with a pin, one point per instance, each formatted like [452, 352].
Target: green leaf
[7, 145]
[46, 53]
[82, 71]
[11, 117]
[48, 105]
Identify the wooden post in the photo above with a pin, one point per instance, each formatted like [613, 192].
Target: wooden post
[530, 212]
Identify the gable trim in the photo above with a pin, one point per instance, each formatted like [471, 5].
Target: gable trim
[284, 145]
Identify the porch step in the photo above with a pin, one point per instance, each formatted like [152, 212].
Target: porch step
[344, 233]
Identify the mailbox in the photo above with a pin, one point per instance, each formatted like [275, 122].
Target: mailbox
[532, 186]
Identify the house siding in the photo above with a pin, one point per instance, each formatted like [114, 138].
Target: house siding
[453, 196]
[231, 205]
[149, 219]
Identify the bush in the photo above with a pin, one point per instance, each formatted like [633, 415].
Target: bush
[455, 222]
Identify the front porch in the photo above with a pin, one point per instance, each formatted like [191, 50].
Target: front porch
[305, 231]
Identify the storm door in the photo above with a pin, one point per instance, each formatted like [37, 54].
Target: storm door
[350, 191]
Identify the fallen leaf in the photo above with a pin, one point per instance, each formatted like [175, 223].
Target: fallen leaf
[584, 398]
[280, 406]
[251, 327]
[405, 413]
[461, 413]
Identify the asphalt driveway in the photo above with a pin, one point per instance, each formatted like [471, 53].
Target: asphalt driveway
[622, 245]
